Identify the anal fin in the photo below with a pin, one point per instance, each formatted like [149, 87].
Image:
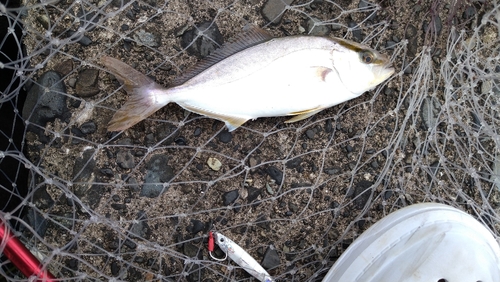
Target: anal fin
[231, 122]
[303, 114]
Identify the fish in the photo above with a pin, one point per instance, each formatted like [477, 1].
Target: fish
[257, 75]
[242, 258]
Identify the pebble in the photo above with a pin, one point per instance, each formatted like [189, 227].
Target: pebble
[37, 222]
[140, 229]
[390, 45]
[210, 39]
[88, 127]
[275, 174]
[88, 20]
[269, 189]
[190, 250]
[82, 39]
[41, 107]
[181, 141]
[166, 134]
[42, 199]
[356, 32]
[214, 164]
[149, 39]
[362, 193]
[230, 197]
[253, 194]
[125, 159]
[64, 67]
[225, 136]
[116, 206]
[314, 27]
[157, 173]
[83, 173]
[263, 222]
[310, 133]
[436, 28]
[86, 83]
[273, 10]
[431, 108]
[195, 226]
[115, 269]
[329, 126]
[197, 131]
[411, 36]
[271, 258]
[332, 170]
[294, 163]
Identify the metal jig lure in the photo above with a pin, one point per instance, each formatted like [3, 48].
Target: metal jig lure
[238, 255]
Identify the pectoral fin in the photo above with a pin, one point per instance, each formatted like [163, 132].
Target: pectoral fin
[304, 114]
[231, 122]
[321, 72]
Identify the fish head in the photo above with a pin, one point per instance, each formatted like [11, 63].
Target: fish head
[359, 67]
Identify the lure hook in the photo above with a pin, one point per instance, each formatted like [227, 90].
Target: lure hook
[211, 247]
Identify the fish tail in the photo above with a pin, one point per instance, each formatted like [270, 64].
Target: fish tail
[146, 96]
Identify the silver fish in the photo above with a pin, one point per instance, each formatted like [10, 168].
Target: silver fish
[257, 75]
[242, 258]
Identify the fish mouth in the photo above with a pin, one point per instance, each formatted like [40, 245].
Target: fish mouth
[382, 72]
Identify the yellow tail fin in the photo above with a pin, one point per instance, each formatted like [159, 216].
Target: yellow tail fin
[146, 96]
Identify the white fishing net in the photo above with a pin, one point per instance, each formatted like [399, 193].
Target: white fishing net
[137, 206]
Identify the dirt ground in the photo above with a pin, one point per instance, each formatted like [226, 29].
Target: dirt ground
[293, 195]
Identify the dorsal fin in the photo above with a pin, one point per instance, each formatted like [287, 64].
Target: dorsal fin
[251, 36]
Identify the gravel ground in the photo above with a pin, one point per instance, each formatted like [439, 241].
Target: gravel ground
[138, 205]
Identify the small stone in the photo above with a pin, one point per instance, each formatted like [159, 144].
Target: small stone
[116, 206]
[190, 250]
[310, 133]
[86, 83]
[146, 38]
[225, 136]
[315, 27]
[390, 45]
[181, 141]
[140, 229]
[411, 36]
[269, 189]
[88, 127]
[214, 164]
[273, 10]
[207, 36]
[271, 258]
[332, 170]
[275, 174]
[64, 67]
[195, 226]
[197, 132]
[434, 27]
[230, 197]
[125, 159]
[253, 194]
[294, 163]
[430, 111]
[45, 101]
[115, 269]
[158, 174]
[356, 31]
[362, 193]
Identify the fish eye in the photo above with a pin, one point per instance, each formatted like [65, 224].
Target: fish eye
[367, 57]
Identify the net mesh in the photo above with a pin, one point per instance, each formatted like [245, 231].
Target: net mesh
[93, 205]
